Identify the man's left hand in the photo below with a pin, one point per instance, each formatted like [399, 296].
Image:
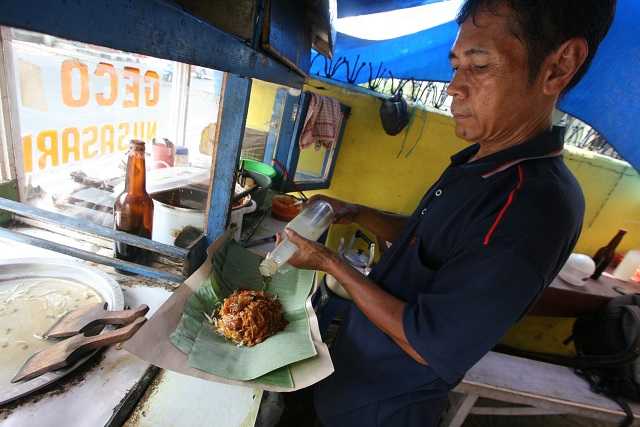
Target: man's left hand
[310, 255]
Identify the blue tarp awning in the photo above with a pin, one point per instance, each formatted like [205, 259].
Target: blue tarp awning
[607, 98]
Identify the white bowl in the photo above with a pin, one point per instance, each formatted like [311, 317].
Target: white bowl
[577, 270]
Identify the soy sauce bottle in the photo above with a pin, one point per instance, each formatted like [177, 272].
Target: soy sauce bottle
[133, 208]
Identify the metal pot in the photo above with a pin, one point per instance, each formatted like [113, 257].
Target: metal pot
[173, 210]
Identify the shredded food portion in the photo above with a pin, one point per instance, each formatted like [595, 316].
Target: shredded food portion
[249, 317]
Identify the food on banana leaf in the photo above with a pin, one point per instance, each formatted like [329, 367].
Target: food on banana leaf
[248, 317]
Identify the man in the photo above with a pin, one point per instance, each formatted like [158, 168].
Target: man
[487, 237]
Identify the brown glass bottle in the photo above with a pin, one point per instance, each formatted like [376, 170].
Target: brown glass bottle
[133, 208]
[604, 255]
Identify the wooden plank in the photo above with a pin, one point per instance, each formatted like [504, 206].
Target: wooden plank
[286, 33]
[226, 153]
[233, 16]
[88, 227]
[460, 408]
[513, 411]
[89, 256]
[155, 28]
[91, 243]
[543, 385]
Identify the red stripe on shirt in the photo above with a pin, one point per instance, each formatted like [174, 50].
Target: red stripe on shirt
[512, 194]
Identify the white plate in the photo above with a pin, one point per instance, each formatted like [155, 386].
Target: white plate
[55, 268]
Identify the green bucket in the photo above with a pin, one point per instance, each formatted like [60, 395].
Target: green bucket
[263, 174]
[262, 169]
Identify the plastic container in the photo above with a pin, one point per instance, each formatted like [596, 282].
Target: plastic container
[162, 155]
[628, 266]
[310, 224]
[256, 166]
[264, 169]
[182, 157]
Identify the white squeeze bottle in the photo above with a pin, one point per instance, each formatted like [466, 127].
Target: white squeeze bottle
[310, 224]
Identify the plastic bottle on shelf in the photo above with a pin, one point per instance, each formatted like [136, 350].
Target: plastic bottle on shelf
[310, 224]
[182, 157]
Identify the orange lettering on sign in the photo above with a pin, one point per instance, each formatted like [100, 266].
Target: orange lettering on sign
[133, 88]
[123, 143]
[27, 153]
[92, 131]
[70, 144]
[138, 130]
[152, 128]
[68, 66]
[48, 151]
[107, 69]
[152, 88]
[107, 139]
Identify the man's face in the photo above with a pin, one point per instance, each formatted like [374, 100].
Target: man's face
[492, 95]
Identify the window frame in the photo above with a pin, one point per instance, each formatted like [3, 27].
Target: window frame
[10, 136]
[287, 151]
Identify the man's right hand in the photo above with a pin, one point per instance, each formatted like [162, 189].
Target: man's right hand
[344, 212]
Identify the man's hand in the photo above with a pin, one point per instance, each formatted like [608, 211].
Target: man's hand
[310, 255]
[345, 213]
[383, 309]
[384, 225]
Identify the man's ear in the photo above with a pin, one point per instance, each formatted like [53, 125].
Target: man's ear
[562, 64]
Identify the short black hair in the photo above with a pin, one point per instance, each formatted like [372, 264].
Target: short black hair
[543, 25]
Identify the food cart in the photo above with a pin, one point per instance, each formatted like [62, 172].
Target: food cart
[222, 84]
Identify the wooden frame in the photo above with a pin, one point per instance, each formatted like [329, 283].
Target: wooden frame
[10, 138]
[153, 28]
[157, 29]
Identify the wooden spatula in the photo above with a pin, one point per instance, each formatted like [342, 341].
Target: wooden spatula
[70, 350]
[92, 315]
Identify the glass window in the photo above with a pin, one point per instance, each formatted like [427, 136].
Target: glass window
[264, 120]
[202, 114]
[79, 105]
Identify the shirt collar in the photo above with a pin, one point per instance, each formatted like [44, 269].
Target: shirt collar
[546, 144]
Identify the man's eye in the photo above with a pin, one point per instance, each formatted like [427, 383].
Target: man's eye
[480, 67]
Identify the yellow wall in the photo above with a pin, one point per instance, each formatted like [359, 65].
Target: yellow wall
[378, 170]
[261, 102]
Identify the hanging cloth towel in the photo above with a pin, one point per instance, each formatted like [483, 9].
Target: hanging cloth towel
[322, 123]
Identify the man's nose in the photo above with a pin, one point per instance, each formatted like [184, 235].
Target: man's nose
[457, 87]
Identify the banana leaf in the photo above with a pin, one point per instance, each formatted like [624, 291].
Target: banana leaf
[268, 362]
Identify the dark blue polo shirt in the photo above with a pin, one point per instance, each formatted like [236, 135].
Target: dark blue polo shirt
[483, 243]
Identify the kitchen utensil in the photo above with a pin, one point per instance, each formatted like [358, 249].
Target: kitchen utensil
[89, 316]
[66, 352]
[174, 210]
[14, 274]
